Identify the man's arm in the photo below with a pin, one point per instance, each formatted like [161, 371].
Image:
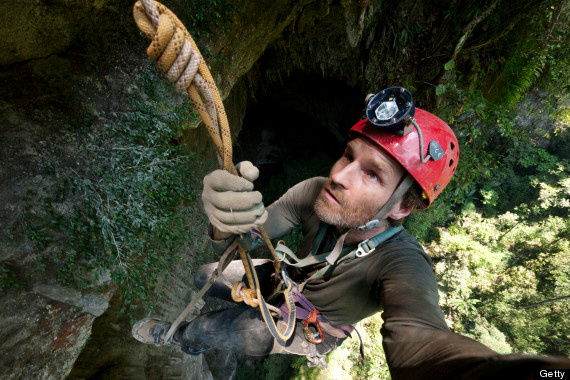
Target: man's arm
[293, 208]
[417, 342]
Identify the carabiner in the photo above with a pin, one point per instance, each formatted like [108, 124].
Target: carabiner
[317, 337]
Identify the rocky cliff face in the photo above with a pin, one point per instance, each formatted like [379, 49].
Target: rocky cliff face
[67, 71]
[63, 61]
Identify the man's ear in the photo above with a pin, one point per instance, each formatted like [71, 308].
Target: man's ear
[398, 212]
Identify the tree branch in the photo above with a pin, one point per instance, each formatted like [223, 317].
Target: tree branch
[544, 302]
[469, 28]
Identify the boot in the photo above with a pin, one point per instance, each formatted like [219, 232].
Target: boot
[153, 331]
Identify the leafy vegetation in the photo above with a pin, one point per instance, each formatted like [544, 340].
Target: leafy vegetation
[500, 237]
[138, 191]
[204, 16]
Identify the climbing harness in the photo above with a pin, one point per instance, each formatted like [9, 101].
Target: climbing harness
[177, 55]
[306, 311]
[312, 319]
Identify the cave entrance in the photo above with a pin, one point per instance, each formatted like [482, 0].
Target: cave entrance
[297, 129]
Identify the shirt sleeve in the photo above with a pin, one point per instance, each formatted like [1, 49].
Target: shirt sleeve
[417, 341]
[293, 208]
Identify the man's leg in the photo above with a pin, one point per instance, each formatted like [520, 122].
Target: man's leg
[221, 288]
[240, 328]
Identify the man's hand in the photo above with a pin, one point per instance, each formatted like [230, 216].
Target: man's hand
[230, 202]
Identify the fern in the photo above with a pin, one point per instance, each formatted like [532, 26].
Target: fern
[517, 78]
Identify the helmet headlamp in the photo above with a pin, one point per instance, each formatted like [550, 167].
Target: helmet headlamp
[391, 109]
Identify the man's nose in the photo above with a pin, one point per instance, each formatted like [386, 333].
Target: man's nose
[345, 177]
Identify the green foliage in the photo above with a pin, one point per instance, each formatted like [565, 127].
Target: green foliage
[274, 367]
[536, 49]
[503, 263]
[8, 276]
[407, 33]
[206, 16]
[422, 224]
[490, 269]
[449, 65]
[137, 189]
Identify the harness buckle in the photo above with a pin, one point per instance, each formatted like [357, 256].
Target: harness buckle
[361, 251]
[316, 361]
[281, 249]
[369, 225]
[318, 336]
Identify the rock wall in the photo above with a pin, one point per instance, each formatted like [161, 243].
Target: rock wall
[39, 29]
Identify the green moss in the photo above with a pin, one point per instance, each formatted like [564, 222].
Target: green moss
[138, 190]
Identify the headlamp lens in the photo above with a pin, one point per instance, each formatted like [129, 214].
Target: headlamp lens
[390, 109]
[387, 110]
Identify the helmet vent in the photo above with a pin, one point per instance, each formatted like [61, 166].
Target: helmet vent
[450, 162]
[452, 145]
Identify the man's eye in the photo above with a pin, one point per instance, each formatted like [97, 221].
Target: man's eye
[373, 176]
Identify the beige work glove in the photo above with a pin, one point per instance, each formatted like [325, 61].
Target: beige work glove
[230, 202]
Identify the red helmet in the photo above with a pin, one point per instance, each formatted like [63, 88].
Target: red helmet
[432, 174]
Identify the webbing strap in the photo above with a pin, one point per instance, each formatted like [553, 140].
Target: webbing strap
[284, 252]
[396, 196]
[337, 250]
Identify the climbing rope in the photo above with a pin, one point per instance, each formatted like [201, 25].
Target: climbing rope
[241, 293]
[177, 55]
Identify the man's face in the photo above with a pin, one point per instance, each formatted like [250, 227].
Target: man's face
[359, 184]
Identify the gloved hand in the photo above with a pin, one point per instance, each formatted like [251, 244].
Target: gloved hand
[230, 202]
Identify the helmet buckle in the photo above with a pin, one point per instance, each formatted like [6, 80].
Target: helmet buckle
[369, 225]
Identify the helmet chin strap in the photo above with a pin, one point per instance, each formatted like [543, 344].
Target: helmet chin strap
[377, 220]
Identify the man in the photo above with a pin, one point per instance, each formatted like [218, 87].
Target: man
[368, 263]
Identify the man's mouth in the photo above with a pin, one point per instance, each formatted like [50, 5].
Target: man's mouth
[331, 197]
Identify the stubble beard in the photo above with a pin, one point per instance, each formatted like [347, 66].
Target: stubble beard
[345, 215]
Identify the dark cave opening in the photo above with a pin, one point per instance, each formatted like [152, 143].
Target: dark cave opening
[297, 129]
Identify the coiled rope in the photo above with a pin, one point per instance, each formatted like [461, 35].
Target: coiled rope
[177, 55]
